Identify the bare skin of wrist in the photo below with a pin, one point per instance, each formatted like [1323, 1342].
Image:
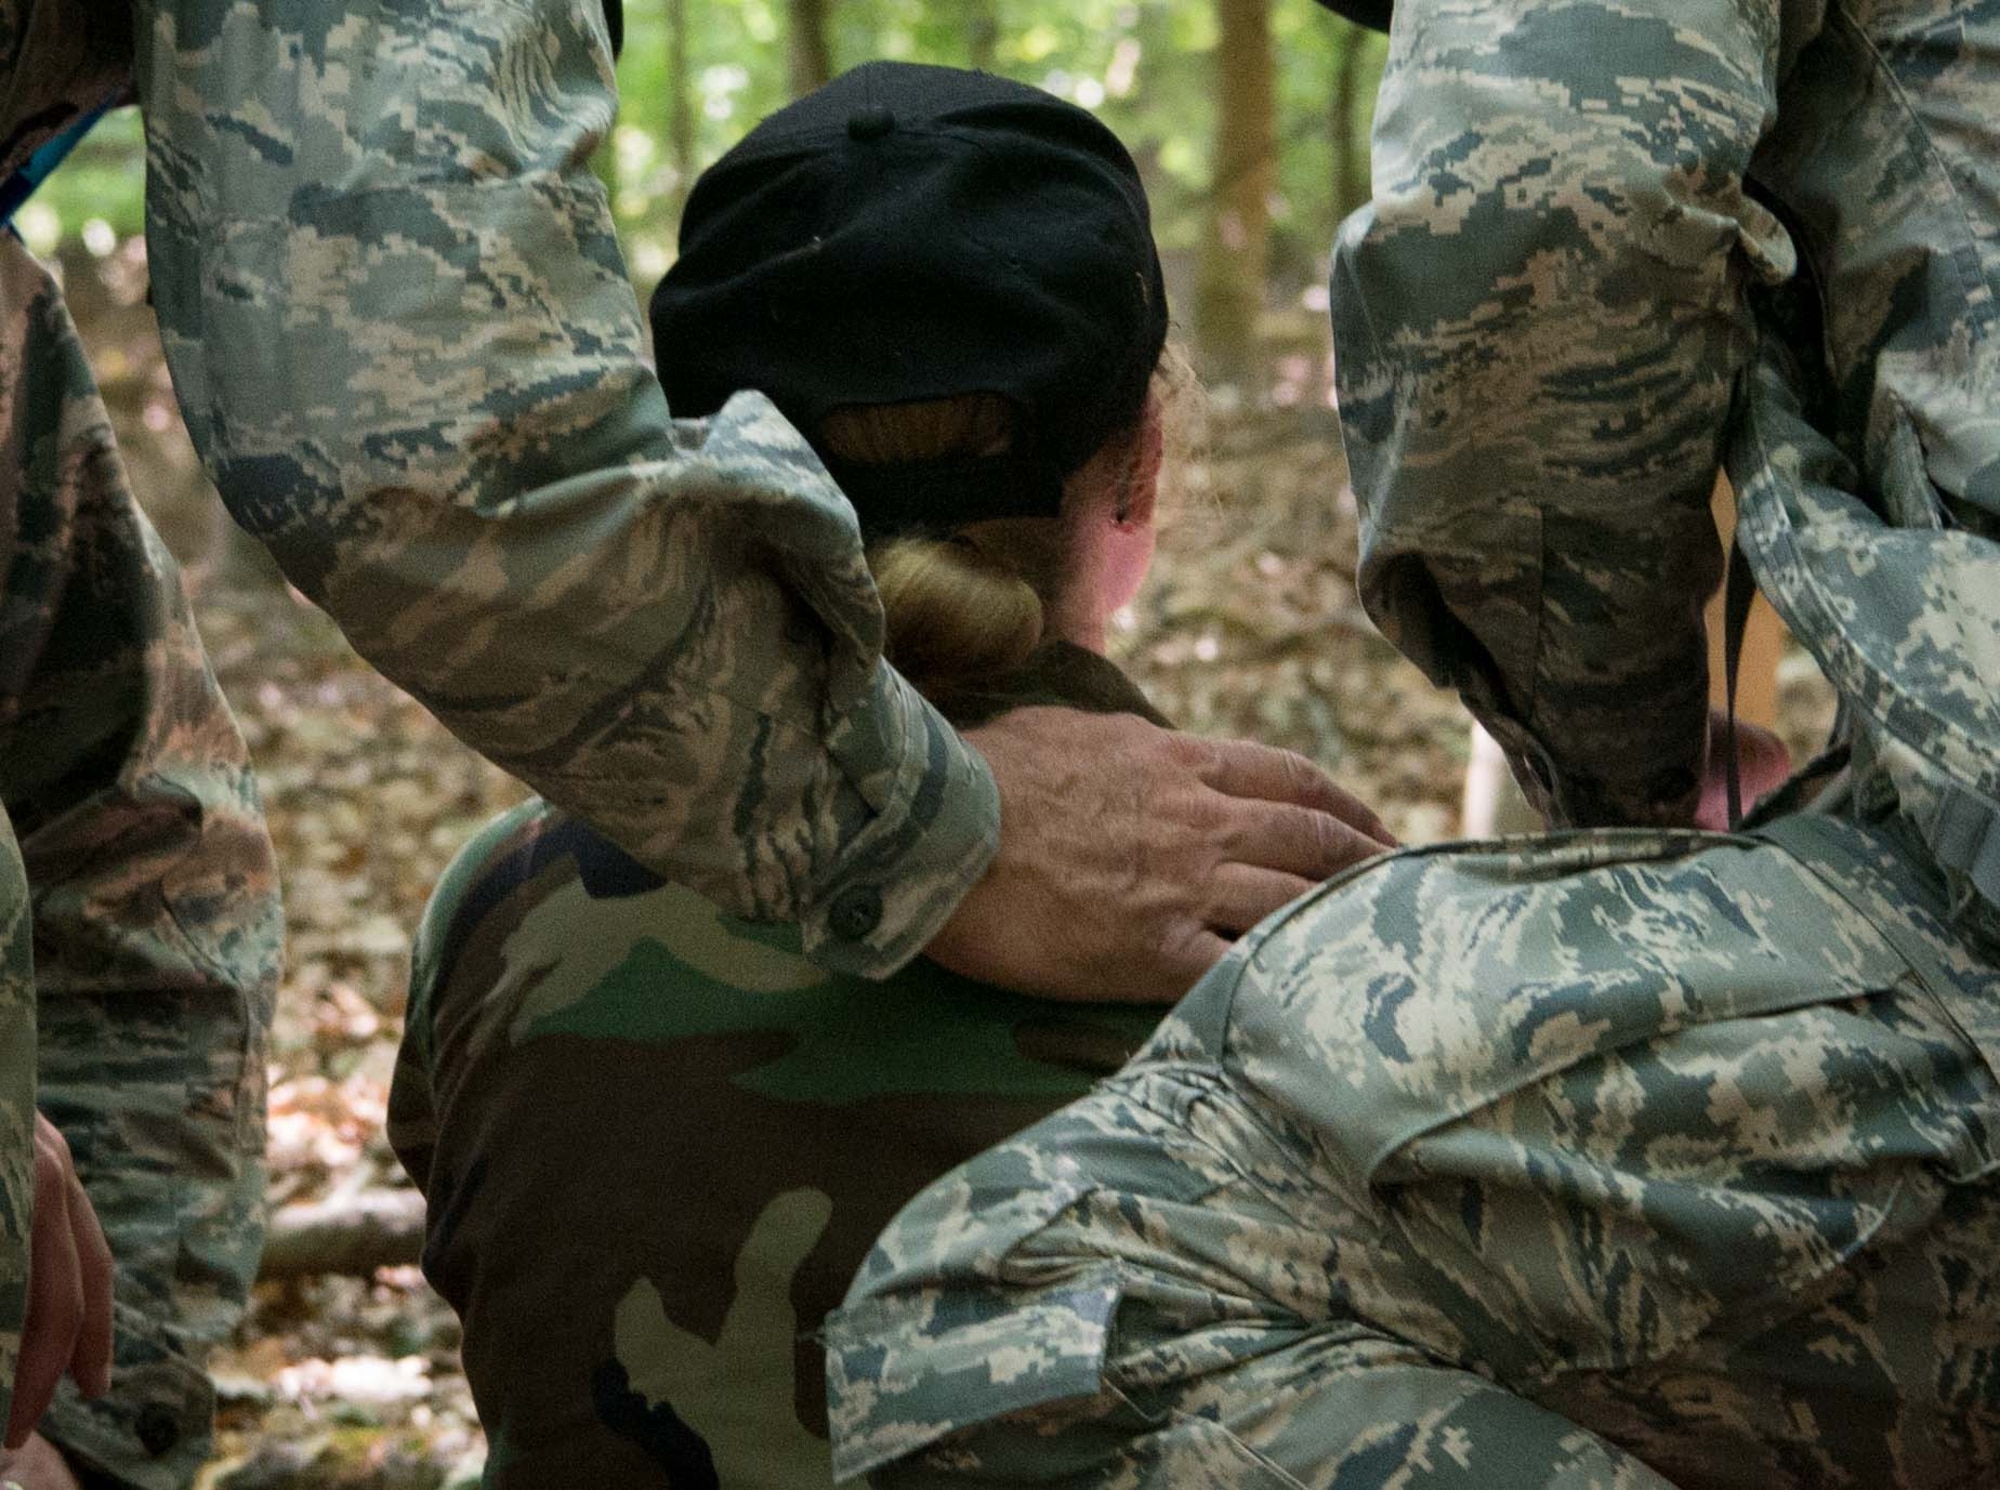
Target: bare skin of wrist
[1762, 764]
[1130, 855]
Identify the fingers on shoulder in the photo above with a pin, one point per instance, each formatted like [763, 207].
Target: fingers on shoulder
[1241, 895]
[49, 1140]
[53, 1174]
[1188, 951]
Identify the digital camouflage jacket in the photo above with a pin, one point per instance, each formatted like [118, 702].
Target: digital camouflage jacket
[1612, 246]
[406, 345]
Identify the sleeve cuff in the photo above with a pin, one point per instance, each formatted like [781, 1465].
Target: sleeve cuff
[932, 826]
[151, 1431]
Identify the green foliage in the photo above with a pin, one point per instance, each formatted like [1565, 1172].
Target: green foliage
[1144, 65]
[103, 182]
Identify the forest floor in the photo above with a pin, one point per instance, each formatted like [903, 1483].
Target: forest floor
[1249, 628]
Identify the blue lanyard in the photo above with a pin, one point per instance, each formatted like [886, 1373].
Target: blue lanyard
[18, 187]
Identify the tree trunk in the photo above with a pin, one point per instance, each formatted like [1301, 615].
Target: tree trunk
[1230, 291]
[810, 53]
[982, 35]
[353, 1234]
[1350, 135]
[680, 101]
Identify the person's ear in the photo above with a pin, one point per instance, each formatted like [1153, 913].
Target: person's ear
[1126, 547]
[1139, 498]
[1124, 556]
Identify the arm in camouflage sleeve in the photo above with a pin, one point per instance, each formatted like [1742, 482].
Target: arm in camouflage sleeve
[405, 342]
[1539, 324]
[156, 930]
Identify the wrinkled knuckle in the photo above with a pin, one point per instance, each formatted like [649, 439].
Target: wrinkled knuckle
[1207, 817]
[1176, 946]
[1356, 848]
[1305, 779]
[1191, 752]
[1329, 843]
[1150, 860]
[1130, 725]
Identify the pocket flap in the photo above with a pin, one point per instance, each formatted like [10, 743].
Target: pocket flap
[904, 1370]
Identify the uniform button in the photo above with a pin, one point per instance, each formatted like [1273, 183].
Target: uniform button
[870, 124]
[158, 1430]
[855, 912]
[801, 631]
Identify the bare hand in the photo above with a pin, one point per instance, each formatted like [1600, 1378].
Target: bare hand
[68, 1326]
[1762, 764]
[37, 1465]
[1129, 854]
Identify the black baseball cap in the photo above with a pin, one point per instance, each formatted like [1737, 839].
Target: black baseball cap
[1374, 14]
[909, 233]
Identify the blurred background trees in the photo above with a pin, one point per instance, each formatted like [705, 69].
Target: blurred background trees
[1248, 117]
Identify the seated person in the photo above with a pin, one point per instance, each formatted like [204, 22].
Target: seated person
[656, 1141]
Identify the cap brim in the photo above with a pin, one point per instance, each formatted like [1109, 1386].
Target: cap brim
[1374, 14]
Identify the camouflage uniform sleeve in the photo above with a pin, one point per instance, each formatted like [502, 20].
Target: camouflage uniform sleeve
[156, 928]
[407, 346]
[1540, 323]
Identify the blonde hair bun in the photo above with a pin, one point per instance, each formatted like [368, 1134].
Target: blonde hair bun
[955, 611]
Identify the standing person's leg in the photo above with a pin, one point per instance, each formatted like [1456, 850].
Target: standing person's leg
[156, 926]
[17, 1103]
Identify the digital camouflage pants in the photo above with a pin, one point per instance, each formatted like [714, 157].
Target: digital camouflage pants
[1616, 1159]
